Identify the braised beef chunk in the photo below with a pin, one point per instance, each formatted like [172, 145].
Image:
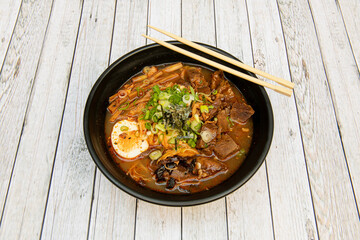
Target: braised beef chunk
[205, 90]
[207, 167]
[185, 172]
[237, 134]
[190, 164]
[180, 170]
[227, 92]
[223, 121]
[175, 159]
[208, 151]
[205, 148]
[212, 113]
[216, 79]
[181, 175]
[217, 103]
[189, 171]
[210, 165]
[207, 116]
[196, 78]
[241, 112]
[201, 144]
[225, 147]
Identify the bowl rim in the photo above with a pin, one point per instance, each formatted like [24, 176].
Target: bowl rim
[169, 202]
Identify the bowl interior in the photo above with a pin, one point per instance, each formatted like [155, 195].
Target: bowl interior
[128, 65]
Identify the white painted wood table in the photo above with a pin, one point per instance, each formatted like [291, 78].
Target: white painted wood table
[52, 51]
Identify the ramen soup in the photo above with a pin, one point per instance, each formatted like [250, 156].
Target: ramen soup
[178, 128]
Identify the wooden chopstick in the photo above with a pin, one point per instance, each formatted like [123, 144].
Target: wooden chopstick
[227, 59]
[279, 89]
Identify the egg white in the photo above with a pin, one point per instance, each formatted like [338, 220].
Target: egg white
[127, 143]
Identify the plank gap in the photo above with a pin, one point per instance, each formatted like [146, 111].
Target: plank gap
[112, 34]
[136, 207]
[92, 202]
[269, 193]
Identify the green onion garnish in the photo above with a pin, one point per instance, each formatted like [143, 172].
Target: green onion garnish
[147, 115]
[156, 89]
[148, 126]
[155, 155]
[124, 108]
[124, 128]
[160, 126]
[192, 91]
[171, 140]
[231, 124]
[204, 109]
[191, 143]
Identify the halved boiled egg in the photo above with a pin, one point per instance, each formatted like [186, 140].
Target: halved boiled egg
[126, 139]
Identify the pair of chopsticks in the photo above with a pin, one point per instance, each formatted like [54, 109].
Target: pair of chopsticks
[285, 89]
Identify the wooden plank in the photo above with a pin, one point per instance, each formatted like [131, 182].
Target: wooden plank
[249, 206]
[198, 24]
[71, 192]
[17, 77]
[198, 21]
[113, 211]
[130, 22]
[333, 198]
[152, 220]
[24, 210]
[344, 81]
[207, 221]
[252, 199]
[235, 37]
[350, 10]
[291, 202]
[158, 222]
[164, 15]
[9, 10]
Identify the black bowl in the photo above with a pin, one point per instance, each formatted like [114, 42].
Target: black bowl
[133, 62]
